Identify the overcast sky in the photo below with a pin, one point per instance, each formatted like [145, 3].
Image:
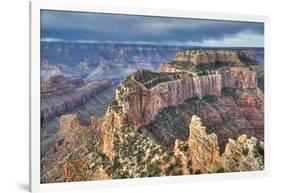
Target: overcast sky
[91, 27]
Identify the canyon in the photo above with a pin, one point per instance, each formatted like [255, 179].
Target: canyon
[82, 58]
[201, 113]
[227, 96]
[61, 94]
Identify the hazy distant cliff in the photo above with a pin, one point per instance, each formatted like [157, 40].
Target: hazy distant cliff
[85, 57]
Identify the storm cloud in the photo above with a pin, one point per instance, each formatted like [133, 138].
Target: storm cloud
[93, 27]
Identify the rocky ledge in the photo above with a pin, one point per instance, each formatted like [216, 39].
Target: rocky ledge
[215, 56]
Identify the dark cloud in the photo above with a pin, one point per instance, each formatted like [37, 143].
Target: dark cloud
[75, 26]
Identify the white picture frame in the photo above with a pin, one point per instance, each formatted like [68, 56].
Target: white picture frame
[37, 6]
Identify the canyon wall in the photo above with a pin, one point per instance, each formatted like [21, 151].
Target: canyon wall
[211, 56]
[138, 104]
[142, 104]
[238, 77]
[63, 94]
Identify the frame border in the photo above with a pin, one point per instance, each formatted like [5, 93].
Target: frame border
[34, 100]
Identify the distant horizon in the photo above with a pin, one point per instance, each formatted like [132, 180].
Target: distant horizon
[146, 44]
[86, 27]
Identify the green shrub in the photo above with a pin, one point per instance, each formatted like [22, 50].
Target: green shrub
[245, 151]
[220, 170]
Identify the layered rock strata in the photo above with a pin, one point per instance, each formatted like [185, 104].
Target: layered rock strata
[141, 104]
[243, 154]
[207, 56]
[63, 94]
[144, 94]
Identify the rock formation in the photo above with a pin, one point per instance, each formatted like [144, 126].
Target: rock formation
[245, 154]
[204, 148]
[77, 156]
[207, 56]
[144, 94]
[219, 85]
[48, 71]
[62, 94]
[141, 104]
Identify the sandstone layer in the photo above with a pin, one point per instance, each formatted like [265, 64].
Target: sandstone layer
[243, 154]
[207, 56]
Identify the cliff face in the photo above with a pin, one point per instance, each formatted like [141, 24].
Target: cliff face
[143, 104]
[140, 104]
[62, 94]
[75, 154]
[147, 104]
[231, 77]
[204, 148]
[48, 71]
[245, 154]
[211, 56]
[238, 77]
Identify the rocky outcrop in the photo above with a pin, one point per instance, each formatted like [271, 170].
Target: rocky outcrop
[238, 77]
[245, 154]
[204, 148]
[75, 155]
[237, 57]
[144, 94]
[48, 71]
[141, 104]
[231, 77]
[168, 68]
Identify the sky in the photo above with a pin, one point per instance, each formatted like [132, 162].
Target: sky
[80, 27]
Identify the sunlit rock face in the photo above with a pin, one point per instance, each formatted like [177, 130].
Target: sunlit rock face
[243, 154]
[204, 148]
[212, 56]
[141, 104]
[48, 71]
